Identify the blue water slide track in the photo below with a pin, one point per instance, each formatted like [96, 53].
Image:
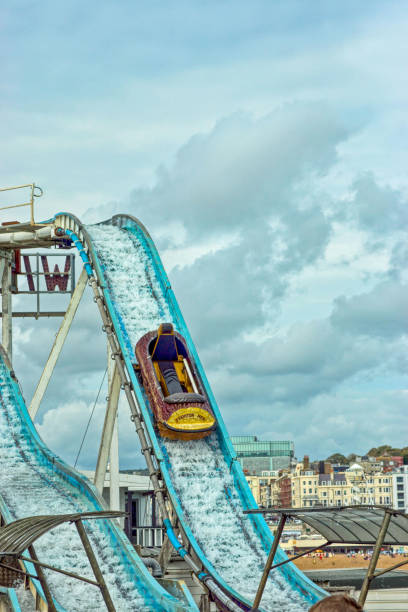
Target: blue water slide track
[202, 480]
[34, 481]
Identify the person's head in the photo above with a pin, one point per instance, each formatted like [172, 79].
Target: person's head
[336, 603]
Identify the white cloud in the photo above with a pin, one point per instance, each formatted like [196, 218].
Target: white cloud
[266, 151]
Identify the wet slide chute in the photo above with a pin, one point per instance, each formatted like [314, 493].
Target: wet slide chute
[200, 479]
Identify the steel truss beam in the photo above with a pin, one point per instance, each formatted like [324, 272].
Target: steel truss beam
[58, 344]
[109, 434]
[6, 306]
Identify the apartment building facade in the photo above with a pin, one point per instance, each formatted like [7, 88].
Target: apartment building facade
[348, 488]
[306, 488]
[400, 488]
[257, 456]
[264, 488]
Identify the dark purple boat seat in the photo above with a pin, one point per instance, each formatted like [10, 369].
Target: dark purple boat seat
[169, 374]
[165, 348]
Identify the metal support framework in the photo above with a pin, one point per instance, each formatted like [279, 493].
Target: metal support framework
[18, 536]
[108, 431]
[114, 391]
[58, 570]
[58, 344]
[95, 566]
[42, 579]
[6, 307]
[269, 562]
[347, 524]
[114, 488]
[167, 548]
[303, 554]
[373, 561]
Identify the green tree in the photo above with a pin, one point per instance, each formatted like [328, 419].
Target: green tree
[337, 458]
[381, 450]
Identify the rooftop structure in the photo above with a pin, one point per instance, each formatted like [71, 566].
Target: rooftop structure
[400, 488]
[257, 456]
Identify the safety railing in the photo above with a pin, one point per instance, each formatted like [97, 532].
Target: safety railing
[147, 537]
[36, 192]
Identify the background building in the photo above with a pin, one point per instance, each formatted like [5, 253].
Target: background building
[136, 497]
[257, 456]
[400, 488]
[351, 487]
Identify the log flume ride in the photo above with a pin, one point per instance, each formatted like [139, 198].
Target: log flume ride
[191, 461]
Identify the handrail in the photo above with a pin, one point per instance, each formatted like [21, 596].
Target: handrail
[33, 187]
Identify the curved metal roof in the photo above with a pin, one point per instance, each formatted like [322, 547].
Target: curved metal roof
[351, 524]
[17, 536]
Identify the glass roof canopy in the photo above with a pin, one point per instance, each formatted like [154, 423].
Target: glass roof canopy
[373, 525]
[350, 524]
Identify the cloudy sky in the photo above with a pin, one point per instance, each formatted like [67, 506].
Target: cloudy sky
[264, 146]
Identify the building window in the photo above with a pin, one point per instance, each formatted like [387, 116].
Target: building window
[310, 490]
[324, 493]
[338, 492]
[400, 478]
[400, 504]
[304, 491]
[400, 487]
[400, 495]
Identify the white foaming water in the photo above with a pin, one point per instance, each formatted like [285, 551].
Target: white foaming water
[199, 472]
[25, 599]
[215, 515]
[29, 487]
[137, 294]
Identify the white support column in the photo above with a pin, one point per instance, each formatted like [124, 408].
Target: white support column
[109, 432]
[6, 307]
[114, 391]
[114, 492]
[58, 344]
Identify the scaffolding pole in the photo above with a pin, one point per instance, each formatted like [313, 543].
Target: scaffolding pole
[269, 563]
[58, 344]
[109, 432]
[114, 390]
[374, 559]
[6, 307]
